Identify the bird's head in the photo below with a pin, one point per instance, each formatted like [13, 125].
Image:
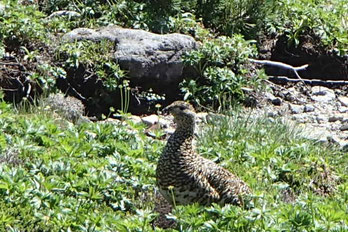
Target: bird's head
[182, 111]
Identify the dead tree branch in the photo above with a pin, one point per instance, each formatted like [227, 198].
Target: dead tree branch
[282, 66]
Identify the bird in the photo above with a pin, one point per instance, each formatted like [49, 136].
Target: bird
[184, 177]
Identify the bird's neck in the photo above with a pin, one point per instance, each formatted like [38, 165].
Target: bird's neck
[181, 142]
[185, 129]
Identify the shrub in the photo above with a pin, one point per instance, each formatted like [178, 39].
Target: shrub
[322, 19]
[21, 25]
[221, 67]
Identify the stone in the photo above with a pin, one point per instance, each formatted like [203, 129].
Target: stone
[269, 96]
[164, 122]
[135, 119]
[335, 118]
[64, 13]
[272, 114]
[344, 127]
[309, 108]
[277, 101]
[299, 118]
[201, 117]
[296, 109]
[288, 96]
[151, 60]
[321, 118]
[315, 133]
[343, 109]
[343, 100]
[322, 94]
[150, 120]
[333, 139]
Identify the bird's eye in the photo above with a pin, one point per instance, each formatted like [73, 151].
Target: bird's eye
[182, 108]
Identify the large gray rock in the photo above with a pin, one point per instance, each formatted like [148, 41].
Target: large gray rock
[151, 59]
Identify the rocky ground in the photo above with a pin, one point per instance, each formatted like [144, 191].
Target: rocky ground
[321, 112]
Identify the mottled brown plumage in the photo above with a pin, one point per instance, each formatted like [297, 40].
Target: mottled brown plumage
[187, 177]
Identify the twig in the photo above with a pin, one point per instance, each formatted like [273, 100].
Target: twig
[13, 64]
[76, 92]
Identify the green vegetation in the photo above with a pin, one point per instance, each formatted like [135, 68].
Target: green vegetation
[221, 67]
[57, 176]
[81, 55]
[320, 24]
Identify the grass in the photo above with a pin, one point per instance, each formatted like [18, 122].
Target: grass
[58, 176]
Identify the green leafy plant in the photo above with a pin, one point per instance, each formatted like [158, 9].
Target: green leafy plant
[220, 64]
[101, 176]
[21, 25]
[319, 19]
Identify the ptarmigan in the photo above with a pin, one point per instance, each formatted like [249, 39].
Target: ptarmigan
[184, 177]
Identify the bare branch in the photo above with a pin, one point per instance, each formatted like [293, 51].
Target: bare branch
[282, 66]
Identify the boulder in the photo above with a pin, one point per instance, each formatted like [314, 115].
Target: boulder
[151, 60]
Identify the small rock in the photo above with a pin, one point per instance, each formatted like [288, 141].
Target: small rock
[269, 96]
[344, 127]
[135, 119]
[274, 100]
[299, 118]
[343, 109]
[169, 130]
[164, 122]
[333, 139]
[321, 119]
[90, 135]
[343, 100]
[288, 96]
[64, 13]
[309, 108]
[322, 94]
[150, 120]
[316, 134]
[201, 117]
[335, 118]
[322, 98]
[320, 90]
[296, 109]
[272, 114]
[277, 101]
